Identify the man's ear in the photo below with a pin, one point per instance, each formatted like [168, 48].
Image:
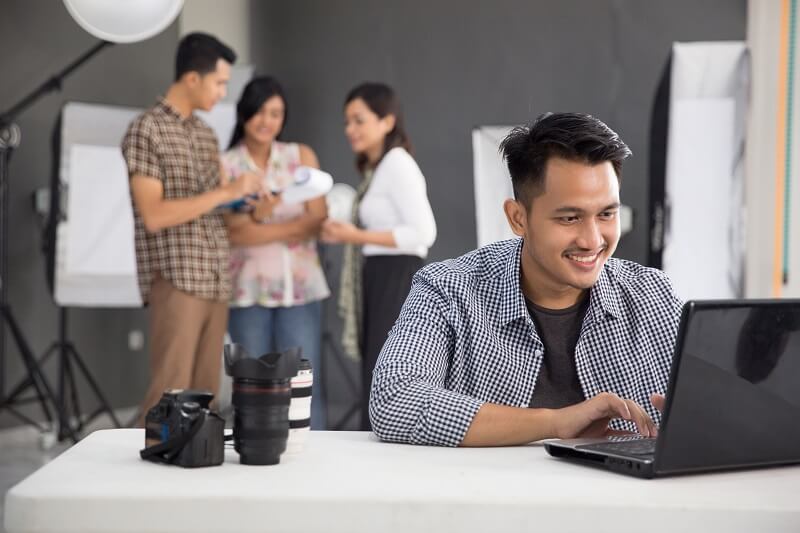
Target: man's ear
[517, 216]
[191, 78]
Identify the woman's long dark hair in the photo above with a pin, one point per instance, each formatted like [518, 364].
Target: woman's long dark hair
[255, 93]
[381, 100]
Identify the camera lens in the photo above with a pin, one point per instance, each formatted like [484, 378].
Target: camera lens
[261, 395]
[300, 407]
[261, 419]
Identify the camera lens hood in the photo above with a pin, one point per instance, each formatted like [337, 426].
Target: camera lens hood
[273, 365]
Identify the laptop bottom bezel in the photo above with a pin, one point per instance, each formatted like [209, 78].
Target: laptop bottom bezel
[630, 465]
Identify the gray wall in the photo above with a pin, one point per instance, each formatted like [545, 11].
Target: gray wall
[38, 38]
[457, 64]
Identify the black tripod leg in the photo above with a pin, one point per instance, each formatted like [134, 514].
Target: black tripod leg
[73, 391]
[43, 390]
[92, 383]
[28, 381]
[26, 419]
[65, 381]
[71, 388]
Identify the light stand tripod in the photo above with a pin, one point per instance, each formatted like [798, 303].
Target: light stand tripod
[9, 140]
[69, 407]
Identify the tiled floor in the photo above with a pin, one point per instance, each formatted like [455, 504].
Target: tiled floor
[24, 449]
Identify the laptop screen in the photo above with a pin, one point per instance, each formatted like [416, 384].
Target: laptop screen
[734, 395]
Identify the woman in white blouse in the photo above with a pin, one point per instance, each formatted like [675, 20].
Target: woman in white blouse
[392, 227]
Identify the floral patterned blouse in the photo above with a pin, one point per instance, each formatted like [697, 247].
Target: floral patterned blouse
[278, 274]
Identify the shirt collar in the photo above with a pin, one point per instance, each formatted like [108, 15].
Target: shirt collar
[171, 111]
[513, 302]
[604, 297]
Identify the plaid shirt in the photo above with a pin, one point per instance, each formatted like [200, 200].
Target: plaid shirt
[184, 155]
[465, 337]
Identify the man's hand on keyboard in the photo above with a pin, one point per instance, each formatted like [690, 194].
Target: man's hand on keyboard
[658, 401]
[590, 418]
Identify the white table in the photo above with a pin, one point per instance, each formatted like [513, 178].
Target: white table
[348, 481]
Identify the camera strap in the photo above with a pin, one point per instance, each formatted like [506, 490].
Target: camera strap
[167, 451]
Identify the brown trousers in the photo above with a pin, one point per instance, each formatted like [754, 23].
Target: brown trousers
[186, 336]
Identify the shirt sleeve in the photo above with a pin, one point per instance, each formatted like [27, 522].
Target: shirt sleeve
[138, 149]
[417, 225]
[663, 313]
[667, 306]
[409, 401]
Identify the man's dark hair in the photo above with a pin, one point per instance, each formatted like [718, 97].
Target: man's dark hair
[571, 136]
[199, 52]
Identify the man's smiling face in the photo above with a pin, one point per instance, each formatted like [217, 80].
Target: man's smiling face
[571, 229]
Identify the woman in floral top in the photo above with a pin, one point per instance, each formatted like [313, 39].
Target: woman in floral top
[278, 282]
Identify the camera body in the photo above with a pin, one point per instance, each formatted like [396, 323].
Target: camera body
[182, 430]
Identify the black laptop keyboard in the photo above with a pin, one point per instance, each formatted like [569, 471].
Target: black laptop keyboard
[635, 446]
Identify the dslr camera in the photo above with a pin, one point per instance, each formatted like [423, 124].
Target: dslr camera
[183, 431]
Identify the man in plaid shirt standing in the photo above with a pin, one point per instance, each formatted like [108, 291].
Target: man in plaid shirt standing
[542, 336]
[182, 256]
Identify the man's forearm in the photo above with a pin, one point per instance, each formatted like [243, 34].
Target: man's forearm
[168, 213]
[501, 425]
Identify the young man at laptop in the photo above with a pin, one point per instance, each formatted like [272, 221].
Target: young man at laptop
[545, 336]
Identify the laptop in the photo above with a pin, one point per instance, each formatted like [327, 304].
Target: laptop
[733, 399]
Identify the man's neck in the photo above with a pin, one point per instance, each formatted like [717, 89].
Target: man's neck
[543, 292]
[176, 97]
[551, 299]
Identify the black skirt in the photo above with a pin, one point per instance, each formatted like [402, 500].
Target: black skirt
[386, 280]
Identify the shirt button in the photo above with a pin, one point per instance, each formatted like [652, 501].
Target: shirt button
[537, 353]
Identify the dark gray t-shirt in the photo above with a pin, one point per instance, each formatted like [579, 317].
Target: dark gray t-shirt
[558, 385]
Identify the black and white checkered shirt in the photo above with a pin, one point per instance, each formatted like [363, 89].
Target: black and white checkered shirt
[464, 337]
